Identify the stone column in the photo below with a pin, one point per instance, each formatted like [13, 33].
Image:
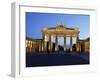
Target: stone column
[39, 46]
[56, 45]
[50, 43]
[44, 42]
[71, 43]
[77, 49]
[42, 48]
[64, 42]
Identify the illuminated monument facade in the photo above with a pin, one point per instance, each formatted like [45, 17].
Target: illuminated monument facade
[61, 31]
[40, 45]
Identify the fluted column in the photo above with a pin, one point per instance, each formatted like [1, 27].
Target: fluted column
[64, 42]
[56, 45]
[39, 46]
[44, 42]
[42, 48]
[77, 48]
[50, 43]
[71, 43]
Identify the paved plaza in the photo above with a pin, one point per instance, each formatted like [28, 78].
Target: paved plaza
[56, 59]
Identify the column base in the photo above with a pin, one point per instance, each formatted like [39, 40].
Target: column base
[71, 50]
[64, 49]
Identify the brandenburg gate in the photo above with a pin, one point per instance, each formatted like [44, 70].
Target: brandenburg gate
[57, 31]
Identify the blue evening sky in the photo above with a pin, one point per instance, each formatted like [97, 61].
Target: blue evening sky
[36, 21]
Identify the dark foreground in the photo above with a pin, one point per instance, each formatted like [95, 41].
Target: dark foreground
[55, 59]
